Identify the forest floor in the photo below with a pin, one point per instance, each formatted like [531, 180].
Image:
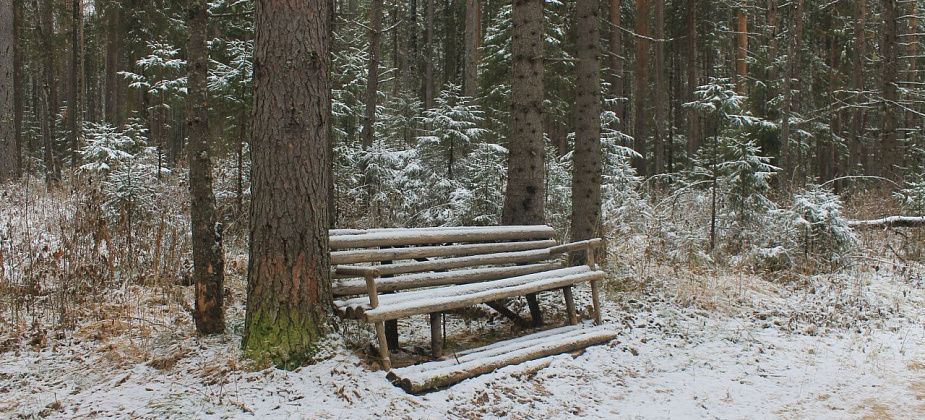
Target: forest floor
[694, 344]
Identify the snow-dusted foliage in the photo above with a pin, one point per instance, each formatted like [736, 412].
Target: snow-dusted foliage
[479, 196]
[822, 230]
[131, 187]
[451, 128]
[558, 189]
[106, 148]
[912, 197]
[161, 73]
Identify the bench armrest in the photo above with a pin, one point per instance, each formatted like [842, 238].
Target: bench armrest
[370, 274]
[357, 271]
[576, 246]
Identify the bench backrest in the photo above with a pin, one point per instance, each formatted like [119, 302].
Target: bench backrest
[426, 257]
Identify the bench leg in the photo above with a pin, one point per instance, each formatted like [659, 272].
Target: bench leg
[596, 300]
[570, 305]
[499, 307]
[535, 313]
[391, 334]
[436, 334]
[383, 346]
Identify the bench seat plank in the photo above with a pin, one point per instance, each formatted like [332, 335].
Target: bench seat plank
[398, 305]
[529, 256]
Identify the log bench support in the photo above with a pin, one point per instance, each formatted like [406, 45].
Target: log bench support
[370, 277]
[436, 334]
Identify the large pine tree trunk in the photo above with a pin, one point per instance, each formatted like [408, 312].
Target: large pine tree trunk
[891, 155]
[112, 13]
[372, 71]
[741, 51]
[8, 159]
[428, 82]
[472, 37]
[586, 166]
[289, 290]
[50, 90]
[693, 127]
[857, 149]
[616, 60]
[525, 196]
[208, 258]
[641, 86]
[659, 97]
[74, 106]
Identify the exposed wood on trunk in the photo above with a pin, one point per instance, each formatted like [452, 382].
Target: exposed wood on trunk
[288, 289]
[741, 51]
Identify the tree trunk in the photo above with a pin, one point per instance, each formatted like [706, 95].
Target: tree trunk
[891, 155]
[372, 72]
[428, 88]
[586, 164]
[50, 90]
[641, 85]
[787, 165]
[74, 106]
[858, 151]
[659, 97]
[8, 159]
[289, 290]
[741, 51]
[18, 85]
[525, 196]
[472, 37]
[693, 127]
[208, 258]
[114, 36]
[616, 61]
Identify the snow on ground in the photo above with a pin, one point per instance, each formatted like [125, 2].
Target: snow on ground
[843, 346]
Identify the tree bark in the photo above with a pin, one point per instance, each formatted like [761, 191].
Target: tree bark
[693, 127]
[114, 34]
[741, 51]
[641, 86]
[659, 97]
[428, 88]
[372, 72]
[8, 159]
[787, 165]
[524, 202]
[208, 258]
[616, 60]
[75, 106]
[858, 151]
[586, 164]
[50, 90]
[289, 290]
[889, 142]
[472, 37]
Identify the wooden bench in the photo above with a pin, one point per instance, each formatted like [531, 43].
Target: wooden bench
[382, 275]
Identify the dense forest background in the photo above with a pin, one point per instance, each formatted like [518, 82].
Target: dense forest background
[824, 89]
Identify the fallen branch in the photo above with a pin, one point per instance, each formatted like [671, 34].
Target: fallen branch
[892, 221]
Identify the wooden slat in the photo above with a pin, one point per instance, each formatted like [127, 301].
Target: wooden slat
[395, 254]
[419, 280]
[428, 304]
[441, 292]
[529, 256]
[434, 375]
[398, 237]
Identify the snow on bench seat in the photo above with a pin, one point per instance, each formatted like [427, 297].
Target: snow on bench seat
[471, 363]
[398, 305]
[417, 280]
